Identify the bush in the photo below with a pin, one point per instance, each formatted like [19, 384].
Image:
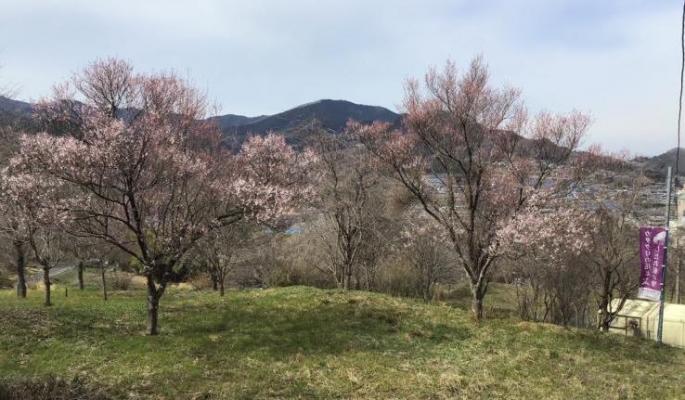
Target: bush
[201, 281]
[460, 291]
[5, 281]
[119, 281]
[297, 274]
[398, 279]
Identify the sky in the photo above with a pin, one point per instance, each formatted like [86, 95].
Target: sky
[618, 60]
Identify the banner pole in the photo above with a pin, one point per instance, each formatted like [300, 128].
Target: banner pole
[660, 329]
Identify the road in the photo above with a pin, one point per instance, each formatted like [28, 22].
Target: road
[38, 277]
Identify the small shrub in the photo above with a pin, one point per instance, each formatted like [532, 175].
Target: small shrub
[200, 281]
[119, 281]
[299, 274]
[5, 281]
[454, 292]
[398, 279]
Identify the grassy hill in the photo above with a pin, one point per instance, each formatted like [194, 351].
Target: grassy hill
[302, 342]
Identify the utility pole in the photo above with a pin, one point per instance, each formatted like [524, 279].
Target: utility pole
[660, 329]
[679, 226]
[677, 282]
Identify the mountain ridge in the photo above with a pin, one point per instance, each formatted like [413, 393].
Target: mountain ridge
[332, 115]
[656, 166]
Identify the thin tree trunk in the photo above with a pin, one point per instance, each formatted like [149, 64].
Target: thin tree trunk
[104, 283]
[478, 290]
[427, 292]
[215, 280]
[221, 287]
[80, 275]
[348, 277]
[477, 307]
[21, 269]
[152, 307]
[603, 315]
[46, 282]
[604, 302]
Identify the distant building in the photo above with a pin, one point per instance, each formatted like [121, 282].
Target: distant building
[641, 318]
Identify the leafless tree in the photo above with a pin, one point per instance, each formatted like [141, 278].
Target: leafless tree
[428, 256]
[613, 253]
[220, 251]
[349, 211]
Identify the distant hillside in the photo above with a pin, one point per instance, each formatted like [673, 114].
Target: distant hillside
[11, 106]
[331, 114]
[18, 114]
[229, 121]
[656, 166]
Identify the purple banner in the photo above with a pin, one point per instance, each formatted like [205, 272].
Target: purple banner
[652, 252]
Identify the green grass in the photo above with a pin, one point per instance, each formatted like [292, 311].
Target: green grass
[308, 343]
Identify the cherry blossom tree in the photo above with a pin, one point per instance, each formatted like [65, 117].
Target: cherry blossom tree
[34, 211]
[14, 230]
[147, 172]
[582, 246]
[471, 157]
[541, 249]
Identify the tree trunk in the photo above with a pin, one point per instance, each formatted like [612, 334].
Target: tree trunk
[603, 315]
[477, 307]
[221, 288]
[478, 290]
[215, 280]
[604, 303]
[104, 283]
[348, 277]
[80, 275]
[427, 292]
[46, 282]
[153, 295]
[21, 269]
[339, 276]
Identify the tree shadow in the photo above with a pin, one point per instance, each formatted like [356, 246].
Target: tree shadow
[313, 323]
[327, 328]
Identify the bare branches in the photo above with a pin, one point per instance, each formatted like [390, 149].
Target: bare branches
[108, 85]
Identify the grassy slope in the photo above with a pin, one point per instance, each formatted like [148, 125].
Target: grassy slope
[310, 343]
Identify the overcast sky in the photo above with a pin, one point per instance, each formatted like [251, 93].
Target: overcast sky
[617, 59]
